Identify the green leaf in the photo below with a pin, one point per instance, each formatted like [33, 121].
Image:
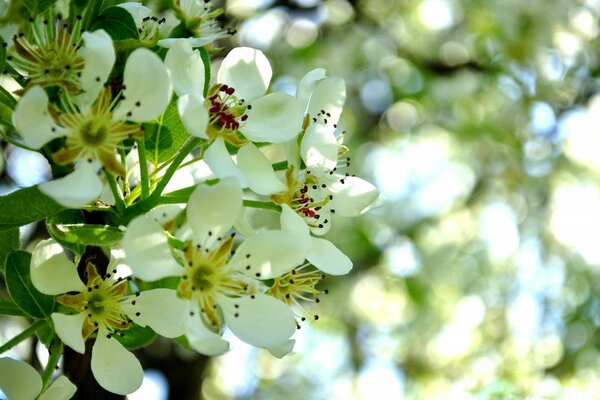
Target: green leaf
[136, 337]
[117, 22]
[45, 334]
[165, 138]
[9, 242]
[65, 217]
[22, 291]
[25, 206]
[7, 307]
[6, 98]
[92, 235]
[36, 7]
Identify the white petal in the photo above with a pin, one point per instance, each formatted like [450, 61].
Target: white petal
[32, 120]
[258, 171]
[246, 70]
[283, 349]
[147, 251]
[19, 380]
[76, 189]
[272, 253]
[98, 54]
[202, 339]
[242, 224]
[137, 11]
[262, 321]
[220, 162]
[325, 214]
[292, 154]
[160, 309]
[212, 210]
[147, 87]
[292, 223]
[329, 96]
[114, 367]
[307, 85]
[51, 271]
[274, 118]
[186, 68]
[61, 389]
[319, 147]
[328, 258]
[68, 328]
[194, 115]
[353, 196]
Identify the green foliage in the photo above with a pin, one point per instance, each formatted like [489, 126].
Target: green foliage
[117, 22]
[21, 290]
[26, 205]
[87, 234]
[9, 242]
[8, 307]
[165, 137]
[136, 337]
[36, 7]
[7, 99]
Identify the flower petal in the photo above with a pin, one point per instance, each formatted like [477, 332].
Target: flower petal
[147, 251]
[32, 120]
[260, 320]
[329, 95]
[274, 118]
[51, 271]
[68, 328]
[319, 147]
[114, 367]
[212, 210]
[202, 339]
[258, 171]
[307, 84]
[160, 309]
[98, 53]
[76, 189]
[272, 253]
[138, 11]
[283, 349]
[144, 101]
[186, 68]
[220, 162]
[194, 115]
[328, 258]
[61, 389]
[19, 380]
[352, 197]
[292, 223]
[246, 70]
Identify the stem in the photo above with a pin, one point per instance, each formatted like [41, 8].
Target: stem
[55, 352]
[206, 62]
[117, 194]
[143, 167]
[185, 150]
[266, 205]
[12, 141]
[22, 336]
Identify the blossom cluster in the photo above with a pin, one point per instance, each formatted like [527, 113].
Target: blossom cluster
[188, 263]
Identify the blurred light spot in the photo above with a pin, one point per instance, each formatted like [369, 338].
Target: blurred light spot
[307, 3]
[285, 84]
[402, 116]
[396, 69]
[376, 95]
[551, 65]
[245, 8]
[524, 317]
[548, 351]
[233, 377]
[338, 12]
[26, 168]
[575, 217]
[454, 341]
[509, 87]
[378, 304]
[155, 386]
[568, 43]
[542, 117]
[260, 31]
[581, 133]
[381, 381]
[454, 53]
[469, 312]
[402, 258]
[498, 227]
[577, 336]
[435, 14]
[585, 23]
[301, 33]
[391, 176]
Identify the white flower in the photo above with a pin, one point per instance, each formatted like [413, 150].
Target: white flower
[220, 290]
[102, 306]
[235, 105]
[20, 381]
[94, 123]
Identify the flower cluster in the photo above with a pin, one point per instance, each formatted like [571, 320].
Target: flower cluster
[103, 111]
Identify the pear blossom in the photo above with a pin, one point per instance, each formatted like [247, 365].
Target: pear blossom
[94, 124]
[220, 289]
[236, 107]
[20, 381]
[102, 306]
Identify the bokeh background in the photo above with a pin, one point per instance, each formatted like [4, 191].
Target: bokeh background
[478, 275]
